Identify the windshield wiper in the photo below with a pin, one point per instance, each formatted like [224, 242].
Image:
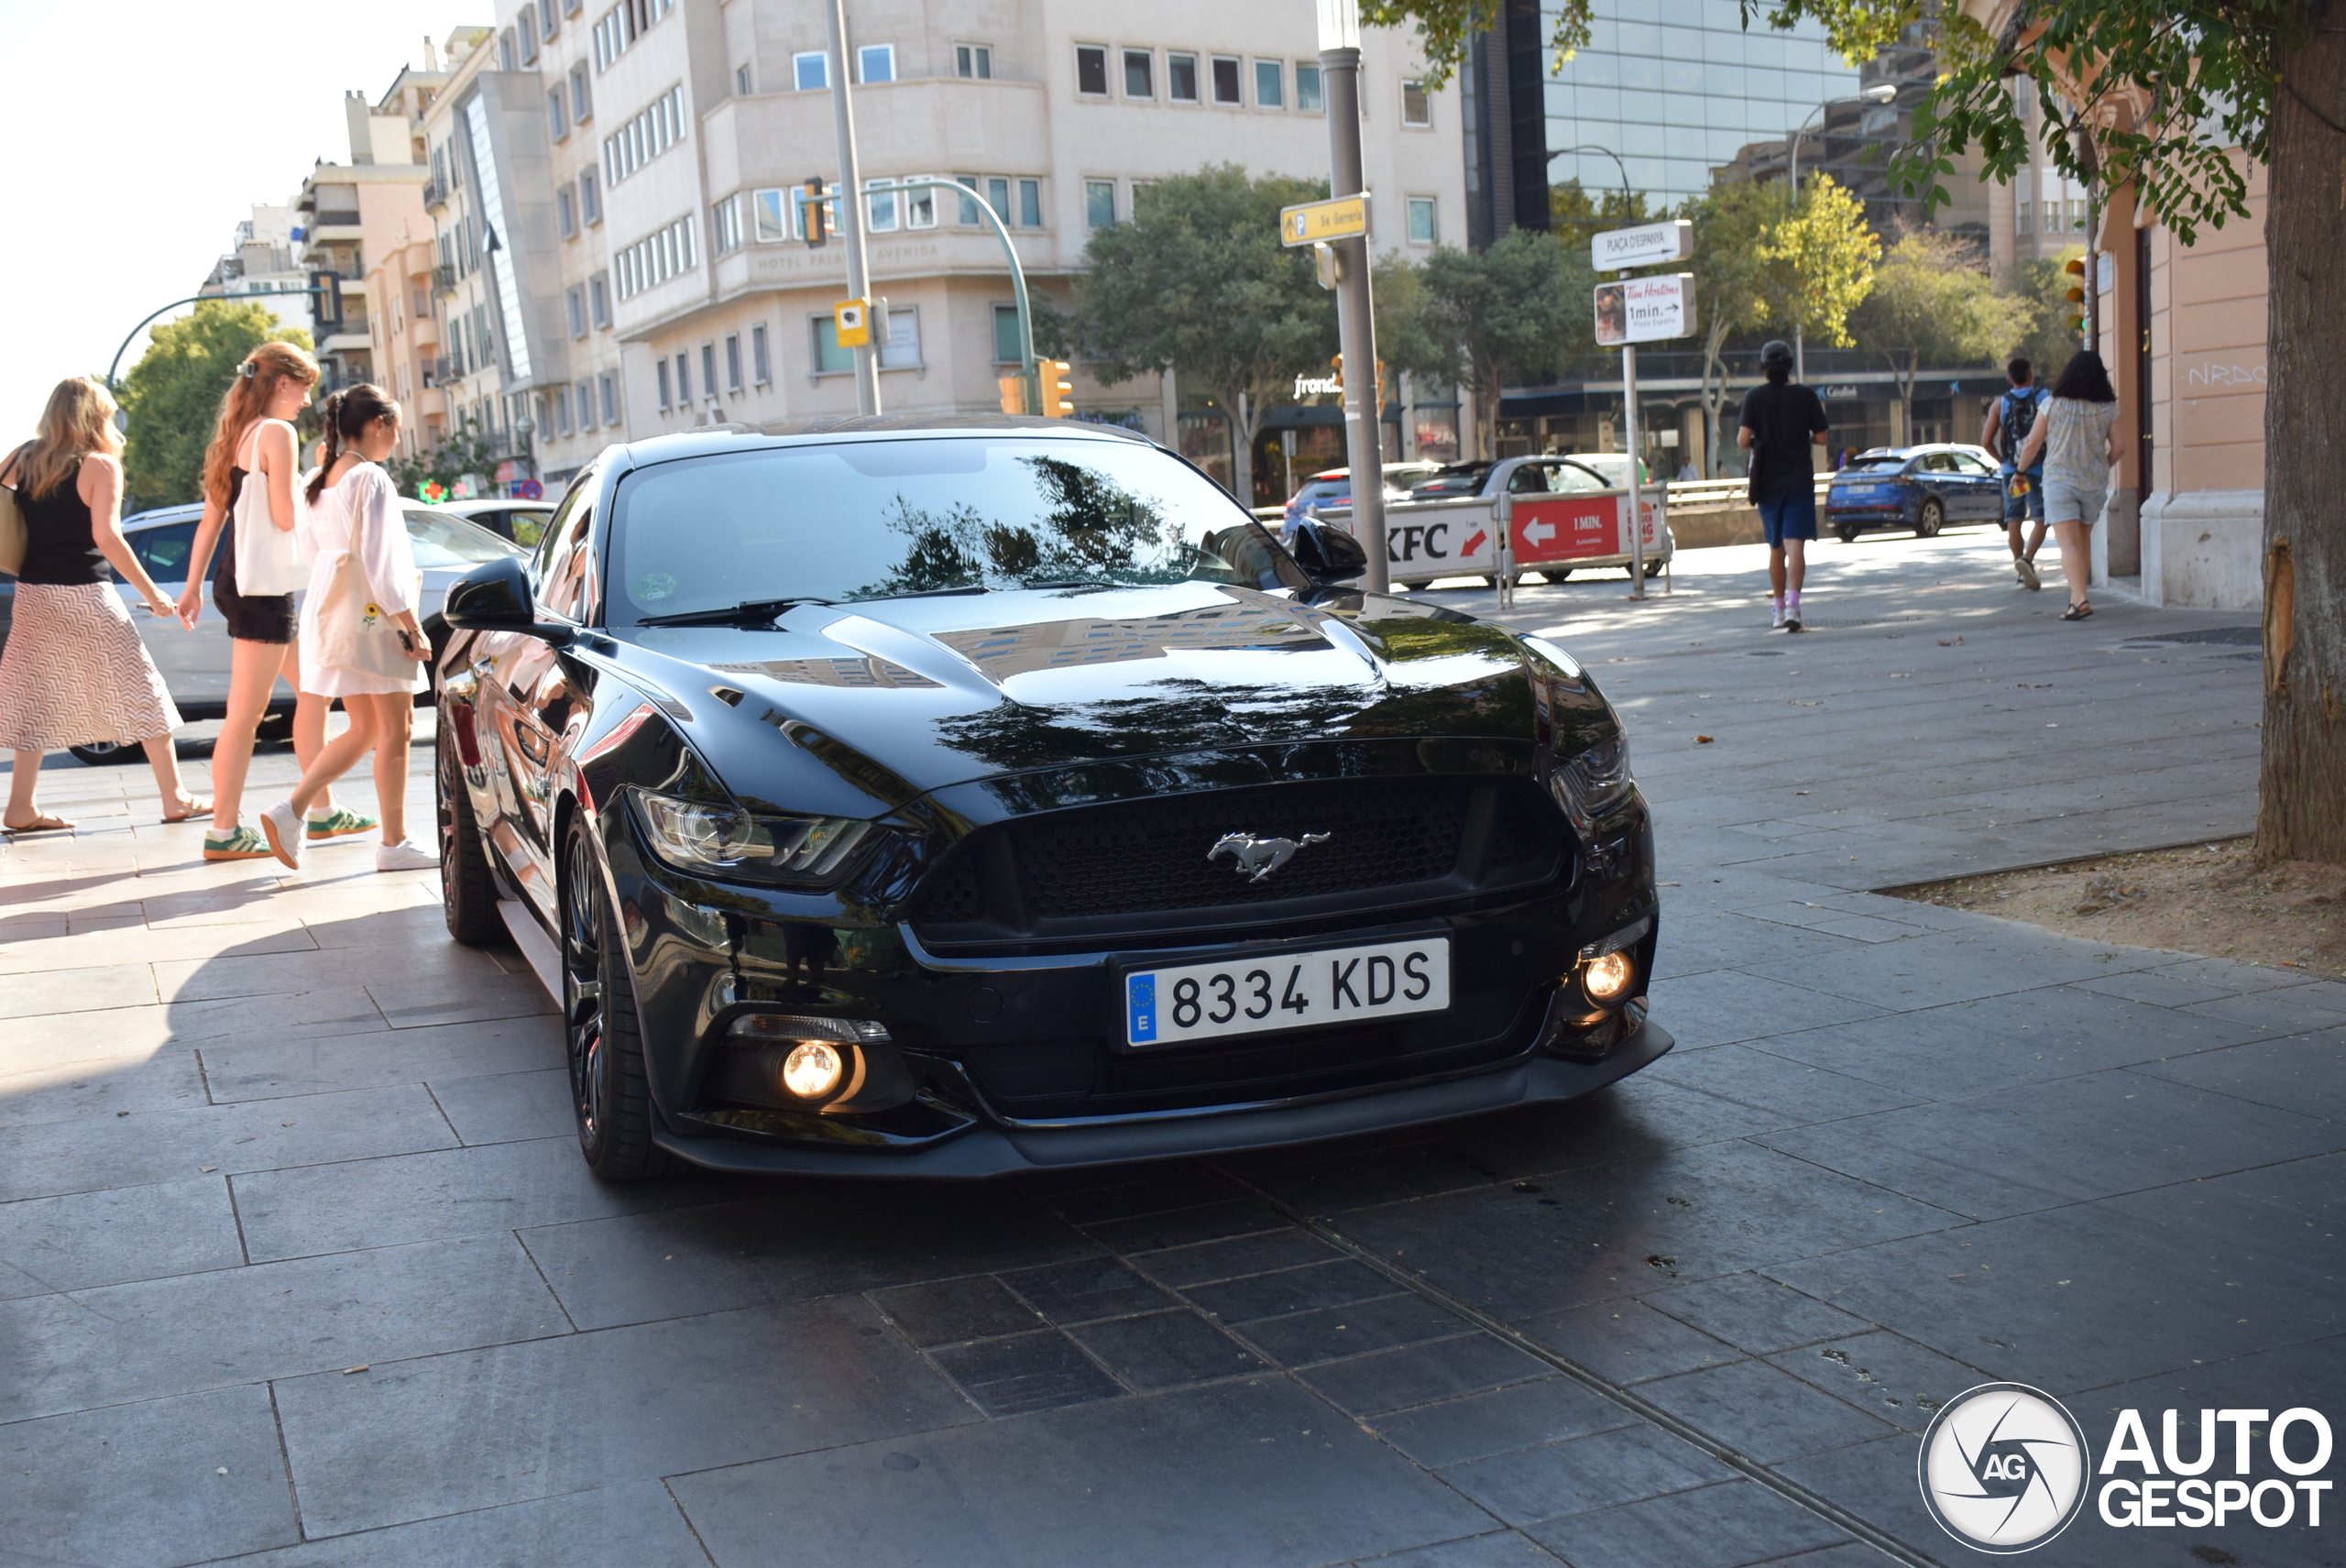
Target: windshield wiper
[752, 614]
[1071, 583]
[933, 593]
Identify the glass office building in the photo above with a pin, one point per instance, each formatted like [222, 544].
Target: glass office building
[1675, 87]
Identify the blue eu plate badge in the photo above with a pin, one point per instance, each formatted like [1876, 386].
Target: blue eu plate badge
[1140, 1002]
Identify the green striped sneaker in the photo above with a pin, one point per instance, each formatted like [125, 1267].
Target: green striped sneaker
[339, 823]
[238, 843]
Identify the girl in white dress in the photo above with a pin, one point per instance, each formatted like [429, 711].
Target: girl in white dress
[351, 510]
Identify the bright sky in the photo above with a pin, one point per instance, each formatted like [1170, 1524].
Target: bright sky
[142, 133]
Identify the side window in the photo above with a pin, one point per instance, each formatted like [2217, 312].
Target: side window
[1573, 480]
[164, 551]
[1531, 480]
[1939, 462]
[1966, 463]
[564, 555]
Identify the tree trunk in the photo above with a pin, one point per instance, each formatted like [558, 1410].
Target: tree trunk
[1242, 442]
[2301, 786]
[1713, 393]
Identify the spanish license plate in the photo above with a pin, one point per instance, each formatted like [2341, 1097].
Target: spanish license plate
[1286, 991]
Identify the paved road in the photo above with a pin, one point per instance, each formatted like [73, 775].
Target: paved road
[302, 1268]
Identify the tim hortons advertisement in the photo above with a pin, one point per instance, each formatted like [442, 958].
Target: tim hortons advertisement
[1645, 310]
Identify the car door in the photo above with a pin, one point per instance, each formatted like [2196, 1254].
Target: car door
[1935, 476]
[194, 665]
[1982, 498]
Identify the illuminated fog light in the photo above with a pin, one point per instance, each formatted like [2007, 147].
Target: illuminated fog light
[1608, 977]
[813, 1070]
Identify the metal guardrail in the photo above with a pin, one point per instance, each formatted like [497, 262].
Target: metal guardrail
[1689, 493]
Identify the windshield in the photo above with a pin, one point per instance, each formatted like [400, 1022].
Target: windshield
[877, 519]
[1875, 465]
[451, 543]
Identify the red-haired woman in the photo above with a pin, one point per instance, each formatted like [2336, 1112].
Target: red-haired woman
[74, 669]
[255, 443]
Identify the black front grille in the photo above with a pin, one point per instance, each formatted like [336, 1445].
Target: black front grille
[1136, 866]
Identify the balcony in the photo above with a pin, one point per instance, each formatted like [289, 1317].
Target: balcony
[439, 372]
[435, 195]
[444, 278]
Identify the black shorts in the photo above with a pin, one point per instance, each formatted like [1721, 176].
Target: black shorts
[257, 618]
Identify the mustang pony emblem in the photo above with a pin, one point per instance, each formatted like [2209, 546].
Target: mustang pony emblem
[1259, 858]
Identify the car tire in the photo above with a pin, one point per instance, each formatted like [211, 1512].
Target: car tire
[1653, 569]
[1556, 575]
[1929, 517]
[610, 1095]
[275, 729]
[468, 890]
[1849, 532]
[105, 754]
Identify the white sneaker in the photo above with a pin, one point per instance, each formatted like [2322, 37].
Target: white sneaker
[281, 825]
[404, 856]
[1777, 624]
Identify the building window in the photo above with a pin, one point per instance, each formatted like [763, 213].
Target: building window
[665, 400]
[1181, 78]
[609, 385]
[1092, 70]
[900, 351]
[998, 197]
[660, 127]
[733, 362]
[811, 70]
[598, 300]
[880, 205]
[590, 200]
[549, 18]
[1099, 204]
[562, 411]
[725, 224]
[830, 359]
[966, 206]
[2024, 210]
[761, 357]
[920, 206]
[565, 213]
[1007, 346]
[1421, 221]
[622, 25]
[875, 63]
[1417, 109]
[527, 26]
[709, 371]
[586, 405]
[974, 61]
[582, 105]
[683, 380]
[1030, 203]
[1270, 85]
[1140, 73]
[1306, 88]
[505, 61]
[575, 302]
[557, 114]
[741, 80]
[1225, 80]
[656, 258]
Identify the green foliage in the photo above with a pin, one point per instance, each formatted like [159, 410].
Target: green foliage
[1572, 210]
[1445, 27]
[1823, 256]
[1398, 288]
[464, 450]
[171, 397]
[1507, 315]
[1932, 302]
[1198, 280]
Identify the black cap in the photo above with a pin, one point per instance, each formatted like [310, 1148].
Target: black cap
[1775, 351]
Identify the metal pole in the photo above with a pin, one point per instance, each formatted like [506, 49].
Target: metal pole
[116, 364]
[1800, 334]
[1355, 320]
[1637, 490]
[859, 278]
[1029, 366]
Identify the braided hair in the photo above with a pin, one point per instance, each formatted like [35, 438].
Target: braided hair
[345, 415]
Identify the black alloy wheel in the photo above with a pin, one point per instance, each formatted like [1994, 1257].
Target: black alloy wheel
[609, 1096]
[468, 891]
[105, 754]
[1929, 517]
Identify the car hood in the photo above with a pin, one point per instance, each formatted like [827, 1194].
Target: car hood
[907, 695]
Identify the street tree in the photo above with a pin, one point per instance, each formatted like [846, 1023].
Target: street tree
[1932, 302]
[171, 397]
[1507, 315]
[1824, 257]
[2161, 105]
[1199, 281]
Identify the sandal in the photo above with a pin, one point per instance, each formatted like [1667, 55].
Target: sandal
[41, 823]
[196, 807]
[2077, 612]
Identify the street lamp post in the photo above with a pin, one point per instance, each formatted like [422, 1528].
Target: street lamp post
[1879, 92]
[859, 278]
[1355, 320]
[1029, 366]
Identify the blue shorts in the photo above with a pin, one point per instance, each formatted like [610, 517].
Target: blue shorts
[1788, 517]
[2027, 506]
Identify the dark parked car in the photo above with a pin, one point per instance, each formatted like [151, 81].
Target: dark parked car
[1921, 488]
[919, 799]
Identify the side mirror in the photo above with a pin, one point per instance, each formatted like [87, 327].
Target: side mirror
[497, 597]
[1327, 553]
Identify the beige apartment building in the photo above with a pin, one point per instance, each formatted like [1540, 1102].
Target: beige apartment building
[668, 283]
[351, 214]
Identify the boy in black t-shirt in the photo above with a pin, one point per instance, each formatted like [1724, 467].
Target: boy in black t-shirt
[1782, 423]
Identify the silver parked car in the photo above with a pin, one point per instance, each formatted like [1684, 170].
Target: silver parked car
[195, 664]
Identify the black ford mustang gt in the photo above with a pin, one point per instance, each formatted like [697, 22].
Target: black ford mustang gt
[913, 798]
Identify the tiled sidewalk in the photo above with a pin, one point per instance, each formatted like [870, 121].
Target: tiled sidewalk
[299, 1266]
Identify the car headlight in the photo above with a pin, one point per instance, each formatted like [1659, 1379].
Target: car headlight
[719, 839]
[1595, 781]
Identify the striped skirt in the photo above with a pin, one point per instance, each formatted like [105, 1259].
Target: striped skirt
[75, 671]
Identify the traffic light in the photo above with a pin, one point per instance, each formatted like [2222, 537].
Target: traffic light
[1337, 364]
[1381, 393]
[1057, 389]
[814, 201]
[2075, 294]
[325, 299]
[1013, 393]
